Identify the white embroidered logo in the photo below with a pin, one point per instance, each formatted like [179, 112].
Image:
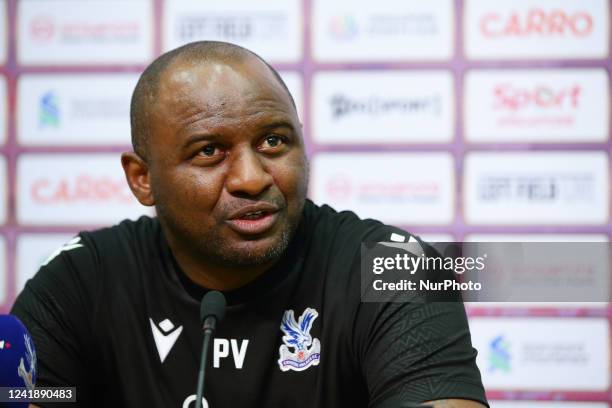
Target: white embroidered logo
[28, 375]
[166, 339]
[72, 244]
[307, 351]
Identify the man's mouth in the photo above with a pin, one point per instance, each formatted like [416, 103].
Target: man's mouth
[254, 215]
[253, 219]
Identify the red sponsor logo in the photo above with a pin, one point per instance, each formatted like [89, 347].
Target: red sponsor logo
[515, 98]
[537, 22]
[119, 29]
[42, 28]
[83, 188]
[339, 187]
[342, 188]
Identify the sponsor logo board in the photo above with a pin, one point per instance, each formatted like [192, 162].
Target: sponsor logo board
[542, 353]
[386, 30]
[272, 29]
[588, 275]
[83, 189]
[400, 107]
[3, 190]
[54, 110]
[569, 105]
[3, 31]
[396, 188]
[33, 250]
[93, 32]
[537, 237]
[295, 84]
[546, 404]
[532, 29]
[3, 110]
[3, 269]
[547, 188]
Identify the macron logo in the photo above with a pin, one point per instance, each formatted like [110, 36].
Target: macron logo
[165, 336]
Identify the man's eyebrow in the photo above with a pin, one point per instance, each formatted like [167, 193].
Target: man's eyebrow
[277, 124]
[213, 137]
[200, 137]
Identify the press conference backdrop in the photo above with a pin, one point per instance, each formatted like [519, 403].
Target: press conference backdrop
[456, 119]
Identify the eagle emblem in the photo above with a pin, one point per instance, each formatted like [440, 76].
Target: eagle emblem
[28, 376]
[306, 350]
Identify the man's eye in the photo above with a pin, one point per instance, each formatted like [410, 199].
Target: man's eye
[272, 141]
[208, 151]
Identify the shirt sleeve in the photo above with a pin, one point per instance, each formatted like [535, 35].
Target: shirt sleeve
[417, 351]
[56, 308]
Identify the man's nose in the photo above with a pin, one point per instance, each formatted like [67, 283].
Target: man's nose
[247, 174]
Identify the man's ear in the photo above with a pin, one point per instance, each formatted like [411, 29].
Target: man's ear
[137, 176]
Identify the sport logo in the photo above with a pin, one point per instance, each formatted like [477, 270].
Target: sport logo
[307, 351]
[515, 98]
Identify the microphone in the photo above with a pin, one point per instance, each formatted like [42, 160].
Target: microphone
[212, 311]
[17, 356]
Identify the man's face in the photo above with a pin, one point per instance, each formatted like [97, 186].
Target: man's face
[226, 161]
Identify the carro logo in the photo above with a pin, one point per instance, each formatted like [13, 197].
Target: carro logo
[537, 22]
[83, 187]
[533, 29]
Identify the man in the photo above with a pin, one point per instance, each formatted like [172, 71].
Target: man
[218, 150]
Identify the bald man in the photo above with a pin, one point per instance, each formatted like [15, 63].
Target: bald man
[219, 152]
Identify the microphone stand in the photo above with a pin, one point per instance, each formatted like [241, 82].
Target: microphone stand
[209, 327]
[212, 311]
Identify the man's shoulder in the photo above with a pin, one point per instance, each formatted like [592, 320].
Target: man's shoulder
[348, 227]
[126, 232]
[93, 251]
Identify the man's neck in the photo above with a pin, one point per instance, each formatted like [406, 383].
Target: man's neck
[212, 275]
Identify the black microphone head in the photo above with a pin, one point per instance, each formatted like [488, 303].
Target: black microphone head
[213, 304]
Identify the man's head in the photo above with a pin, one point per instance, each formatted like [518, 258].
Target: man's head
[218, 150]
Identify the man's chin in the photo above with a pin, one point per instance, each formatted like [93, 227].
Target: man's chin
[254, 252]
